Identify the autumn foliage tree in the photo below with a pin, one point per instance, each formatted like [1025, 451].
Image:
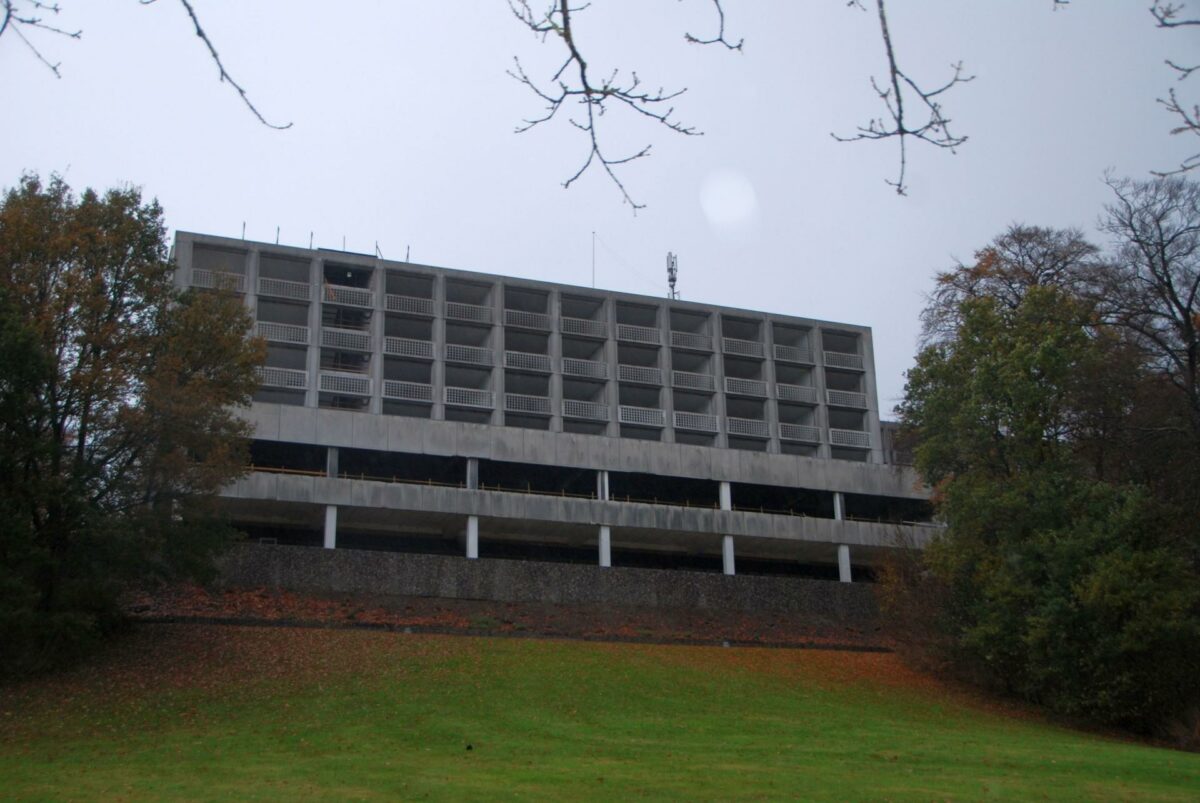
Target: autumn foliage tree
[117, 413]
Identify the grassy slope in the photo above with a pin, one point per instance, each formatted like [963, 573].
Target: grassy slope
[186, 711]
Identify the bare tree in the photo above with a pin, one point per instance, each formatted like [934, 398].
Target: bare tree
[571, 83]
[1152, 287]
[1169, 15]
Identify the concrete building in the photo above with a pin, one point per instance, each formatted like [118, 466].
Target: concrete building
[413, 408]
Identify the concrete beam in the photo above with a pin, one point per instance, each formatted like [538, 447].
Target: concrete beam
[726, 496]
[727, 565]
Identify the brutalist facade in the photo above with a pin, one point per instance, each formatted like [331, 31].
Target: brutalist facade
[413, 408]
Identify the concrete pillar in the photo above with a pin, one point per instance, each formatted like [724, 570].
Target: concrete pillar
[331, 461]
[844, 563]
[839, 506]
[726, 496]
[331, 526]
[472, 537]
[605, 546]
[602, 492]
[727, 555]
[473, 473]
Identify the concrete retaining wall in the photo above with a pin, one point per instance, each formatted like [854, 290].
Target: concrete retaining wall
[348, 571]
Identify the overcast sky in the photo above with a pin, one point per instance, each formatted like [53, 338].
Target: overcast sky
[403, 123]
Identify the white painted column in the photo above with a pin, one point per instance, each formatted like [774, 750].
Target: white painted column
[473, 473]
[727, 555]
[602, 486]
[839, 506]
[726, 497]
[472, 537]
[605, 546]
[844, 563]
[330, 526]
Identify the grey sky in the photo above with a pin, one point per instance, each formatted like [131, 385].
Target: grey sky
[403, 135]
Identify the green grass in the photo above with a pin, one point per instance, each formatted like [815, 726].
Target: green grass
[232, 713]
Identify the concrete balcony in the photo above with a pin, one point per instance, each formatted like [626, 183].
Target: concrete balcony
[796, 393]
[629, 333]
[522, 403]
[526, 361]
[288, 378]
[218, 280]
[588, 410]
[473, 313]
[469, 355]
[639, 374]
[748, 427]
[584, 327]
[407, 347]
[696, 422]
[691, 341]
[641, 416]
[469, 397]
[802, 433]
[348, 296]
[850, 437]
[345, 384]
[520, 319]
[838, 359]
[743, 348]
[410, 305]
[588, 369]
[345, 339]
[796, 354]
[687, 380]
[282, 288]
[735, 386]
[281, 332]
[846, 398]
[407, 391]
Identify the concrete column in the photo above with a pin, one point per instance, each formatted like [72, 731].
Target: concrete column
[605, 546]
[771, 406]
[331, 461]
[473, 473]
[602, 492]
[437, 375]
[312, 396]
[726, 496]
[376, 328]
[554, 310]
[331, 526]
[844, 563]
[727, 555]
[472, 537]
[839, 506]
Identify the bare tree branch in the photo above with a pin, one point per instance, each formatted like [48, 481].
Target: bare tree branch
[224, 74]
[16, 18]
[935, 129]
[572, 83]
[720, 37]
[1167, 15]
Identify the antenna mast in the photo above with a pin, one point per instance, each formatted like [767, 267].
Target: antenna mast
[672, 274]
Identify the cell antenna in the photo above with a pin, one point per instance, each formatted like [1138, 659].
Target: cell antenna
[672, 274]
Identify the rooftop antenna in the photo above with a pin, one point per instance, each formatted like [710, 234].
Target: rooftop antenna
[672, 274]
[310, 238]
[243, 229]
[407, 251]
[276, 235]
[378, 253]
[593, 260]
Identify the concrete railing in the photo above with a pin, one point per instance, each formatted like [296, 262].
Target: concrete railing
[281, 332]
[639, 334]
[290, 378]
[801, 354]
[590, 369]
[523, 403]
[407, 391]
[800, 432]
[642, 416]
[527, 361]
[471, 355]
[748, 427]
[796, 393]
[348, 296]
[745, 387]
[345, 384]
[691, 381]
[850, 437]
[283, 288]
[469, 397]
[345, 339]
[590, 410]
[691, 340]
[846, 398]
[639, 374]
[838, 359]
[584, 327]
[218, 280]
[411, 305]
[696, 422]
[743, 348]
[468, 312]
[407, 347]
[527, 320]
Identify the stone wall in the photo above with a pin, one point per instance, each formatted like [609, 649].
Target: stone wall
[348, 571]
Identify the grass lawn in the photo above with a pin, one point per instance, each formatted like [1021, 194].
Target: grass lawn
[188, 711]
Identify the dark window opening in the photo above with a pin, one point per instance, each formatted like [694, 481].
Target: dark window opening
[888, 509]
[499, 475]
[374, 464]
[282, 456]
[658, 490]
[780, 500]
